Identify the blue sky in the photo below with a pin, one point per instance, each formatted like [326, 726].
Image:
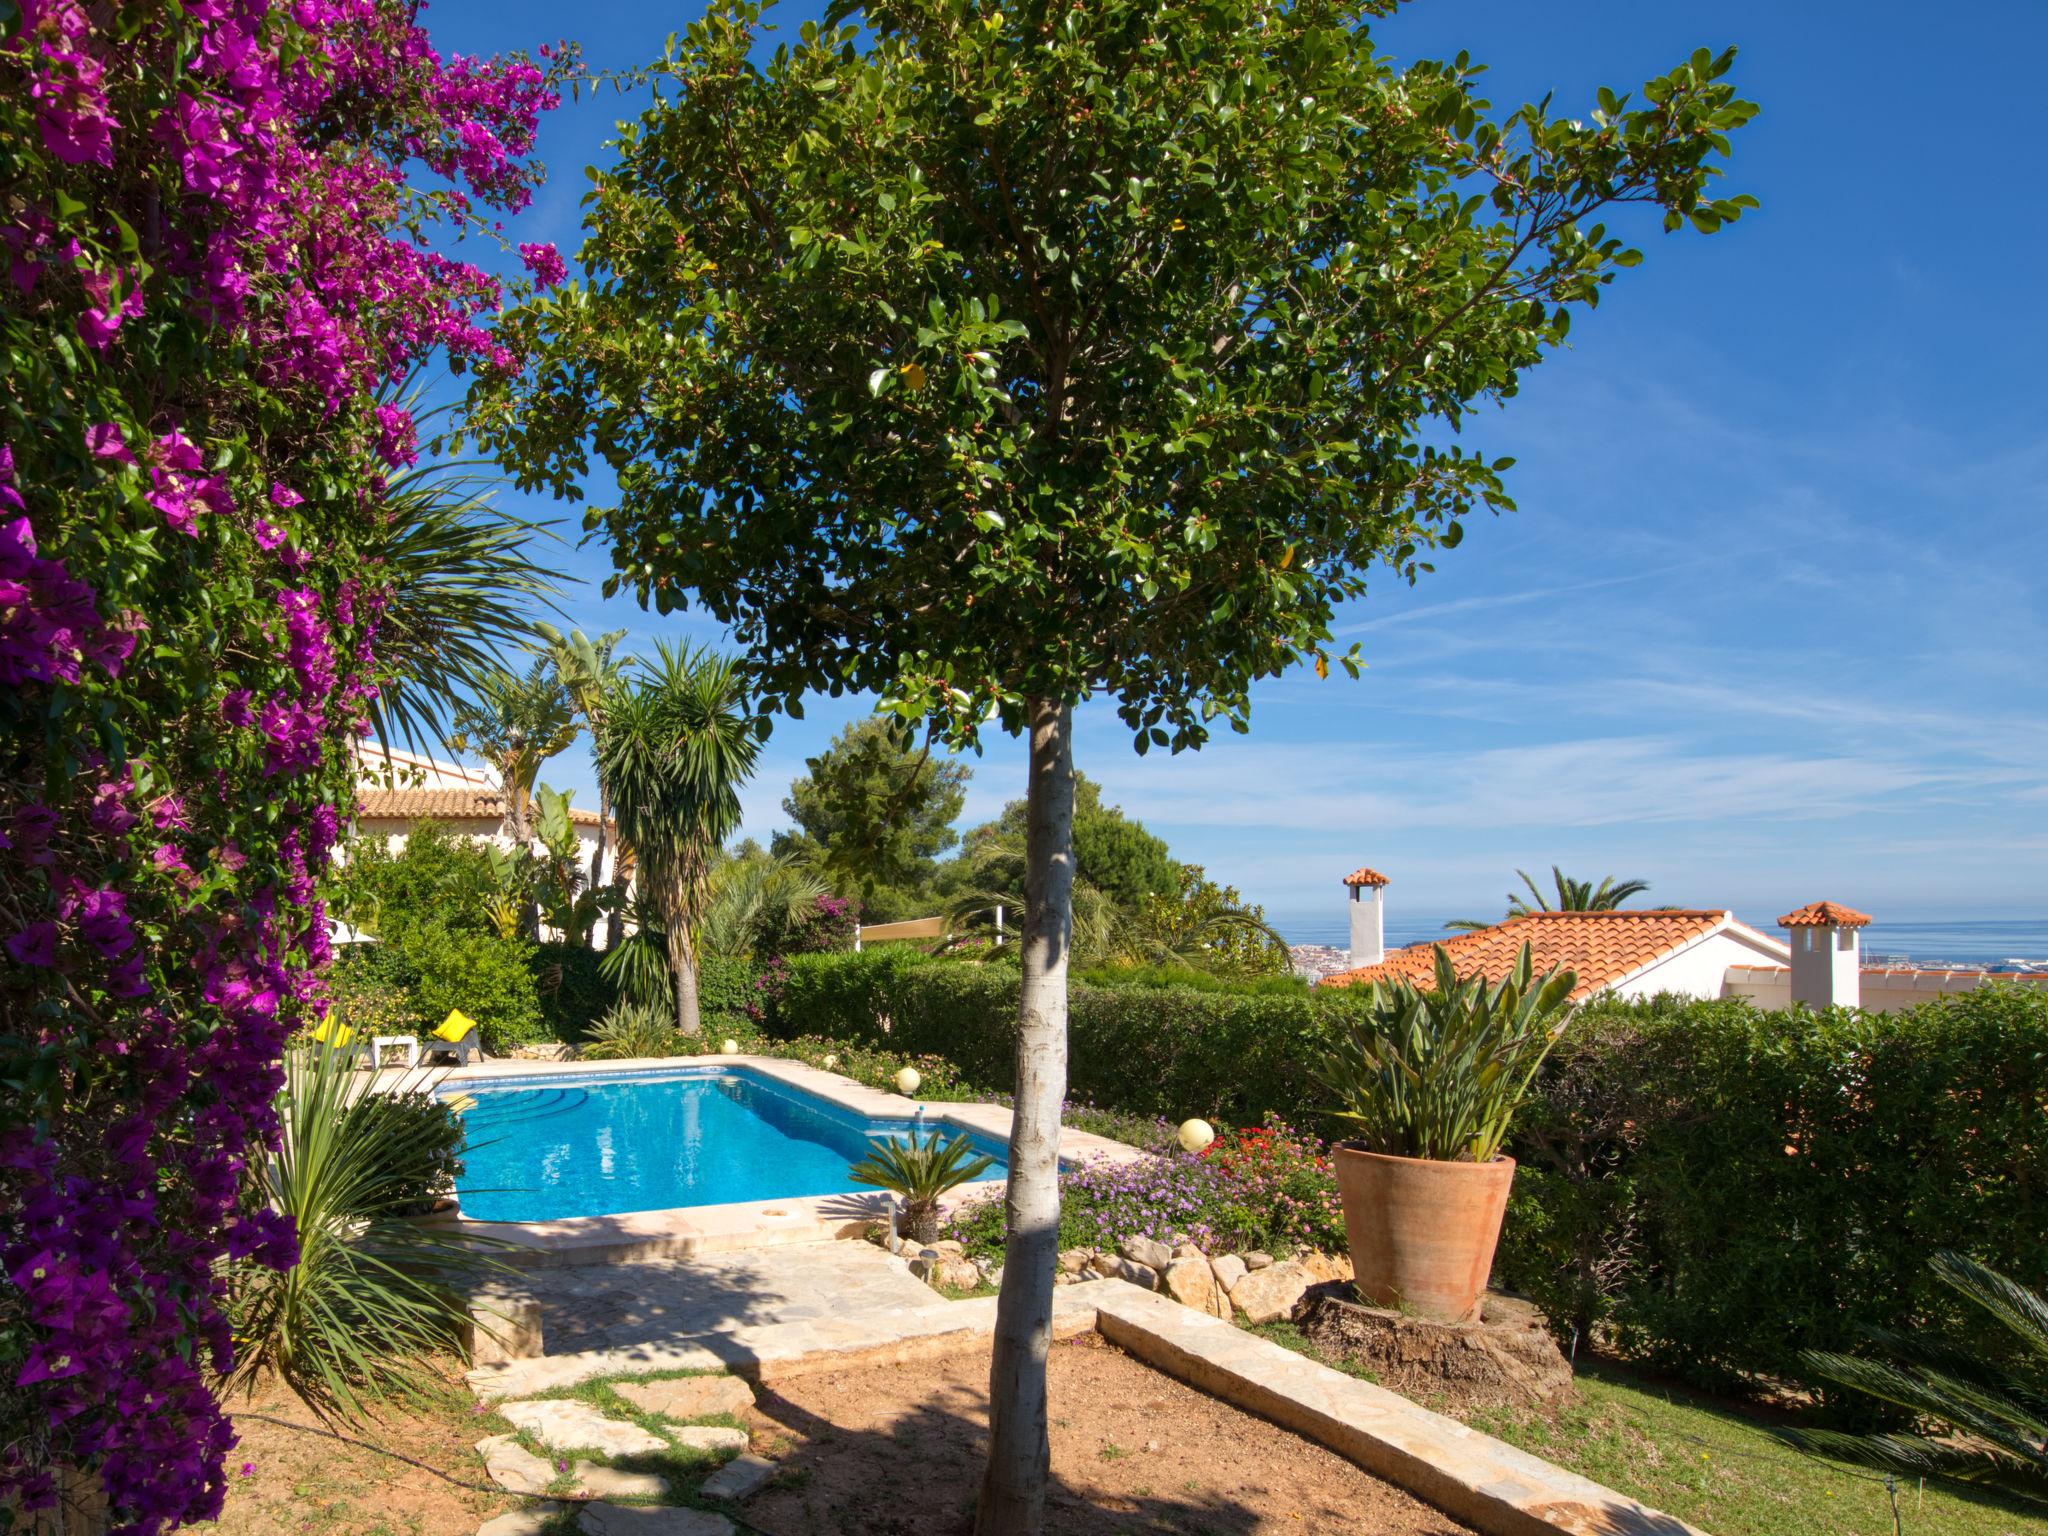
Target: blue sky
[1769, 625]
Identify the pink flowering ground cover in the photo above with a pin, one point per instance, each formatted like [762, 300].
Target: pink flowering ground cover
[214, 268]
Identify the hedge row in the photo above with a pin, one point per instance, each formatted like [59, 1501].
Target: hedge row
[1723, 1188]
[1716, 1187]
[1173, 1052]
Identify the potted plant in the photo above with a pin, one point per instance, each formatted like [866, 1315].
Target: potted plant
[1432, 1079]
[922, 1173]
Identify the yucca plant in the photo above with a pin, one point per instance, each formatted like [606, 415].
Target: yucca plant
[372, 1291]
[632, 1029]
[1992, 1418]
[1441, 1072]
[922, 1172]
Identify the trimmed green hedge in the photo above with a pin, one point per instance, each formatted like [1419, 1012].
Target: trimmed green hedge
[1723, 1188]
[1714, 1187]
[1157, 1051]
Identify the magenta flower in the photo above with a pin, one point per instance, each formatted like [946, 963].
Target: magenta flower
[34, 945]
[106, 442]
[545, 263]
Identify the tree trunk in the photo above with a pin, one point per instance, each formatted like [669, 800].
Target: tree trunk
[682, 964]
[1019, 1454]
[521, 831]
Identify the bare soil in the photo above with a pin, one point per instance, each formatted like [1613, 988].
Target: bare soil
[303, 1482]
[874, 1452]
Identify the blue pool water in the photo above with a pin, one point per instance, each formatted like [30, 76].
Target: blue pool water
[591, 1145]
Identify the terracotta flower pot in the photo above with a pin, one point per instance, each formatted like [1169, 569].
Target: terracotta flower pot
[1422, 1233]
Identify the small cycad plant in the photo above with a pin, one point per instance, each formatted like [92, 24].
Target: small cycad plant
[1440, 1072]
[1988, 1419]
[922, 1172]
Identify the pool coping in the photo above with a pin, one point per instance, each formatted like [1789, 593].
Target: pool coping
[681, 1231]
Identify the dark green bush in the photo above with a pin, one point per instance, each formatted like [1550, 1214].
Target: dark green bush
[1160, 977]
[1727, 1188]
[574, 992]
[439, 969]
[439, 877]
[1167, 1051]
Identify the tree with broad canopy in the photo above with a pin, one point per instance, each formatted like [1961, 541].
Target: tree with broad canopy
[990, 359]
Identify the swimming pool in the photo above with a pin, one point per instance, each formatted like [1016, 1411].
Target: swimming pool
[592, 1144]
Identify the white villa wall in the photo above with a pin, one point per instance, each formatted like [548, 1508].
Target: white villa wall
[1701, 968]
[1770, 986]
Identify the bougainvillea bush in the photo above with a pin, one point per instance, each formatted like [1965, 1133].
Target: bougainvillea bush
[1267, 1188]
[214, 271]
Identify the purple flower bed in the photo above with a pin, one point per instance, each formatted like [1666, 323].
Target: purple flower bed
[1267, 1188]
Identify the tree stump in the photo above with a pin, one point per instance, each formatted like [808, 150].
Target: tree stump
[1507, 1357]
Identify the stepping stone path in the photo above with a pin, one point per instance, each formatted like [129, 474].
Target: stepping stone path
[570, 1426]
[513, 1467]
[626, 1520]
[517, 1470]
[689, 1397]
[520, 1522]
[738, 1478]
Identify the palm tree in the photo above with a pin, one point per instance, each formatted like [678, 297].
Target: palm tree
[589, 669]
[675, 745]
[516, 722]
[1572, 896]
[741, 892]
[1989, 1411]
[462, 588]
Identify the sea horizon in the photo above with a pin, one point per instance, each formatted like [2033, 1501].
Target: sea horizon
[1984, 942]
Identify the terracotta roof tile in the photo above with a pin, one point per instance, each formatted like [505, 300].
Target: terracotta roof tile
[446, 805]
[1825, 914]
[1359, 877]
[1602, 947]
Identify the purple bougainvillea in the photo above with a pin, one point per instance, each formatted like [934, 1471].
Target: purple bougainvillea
[215, 270]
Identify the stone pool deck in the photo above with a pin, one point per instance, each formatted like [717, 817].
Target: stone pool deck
[692, 1231]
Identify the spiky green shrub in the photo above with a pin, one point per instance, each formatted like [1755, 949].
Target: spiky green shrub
[373, 1291]
[1976, 1419]
[633, 1029]
[1440, 1072]
[922, 1172]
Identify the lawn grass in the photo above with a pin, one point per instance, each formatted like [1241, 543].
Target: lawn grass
[1719, 1466]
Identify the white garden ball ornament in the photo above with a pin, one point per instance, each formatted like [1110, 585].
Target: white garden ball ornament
[729, 1048]
[1196, 1134]
[830, 1062]
[907, 1080]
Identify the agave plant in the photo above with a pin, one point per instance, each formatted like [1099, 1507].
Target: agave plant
[922, 1172]
[1993, 1417]
[1440, 1073]
[372, 1291]
[631, 1029]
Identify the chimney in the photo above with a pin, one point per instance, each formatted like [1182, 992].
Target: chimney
[1827, 956]
[1368, 916]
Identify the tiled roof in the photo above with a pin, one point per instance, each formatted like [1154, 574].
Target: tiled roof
[1601, 947]
[1825, 914]
[1359, 877]
[446, 805]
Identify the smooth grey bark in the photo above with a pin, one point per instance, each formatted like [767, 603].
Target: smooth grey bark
[1019, 1454]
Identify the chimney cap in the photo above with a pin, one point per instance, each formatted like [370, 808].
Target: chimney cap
[1362, 876]
[1825, 914]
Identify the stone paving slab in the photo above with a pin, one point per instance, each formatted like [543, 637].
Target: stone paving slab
[739, 1478]
[644, 1301]
[563, 1425]
[886, 1336]
[1490, 1485]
